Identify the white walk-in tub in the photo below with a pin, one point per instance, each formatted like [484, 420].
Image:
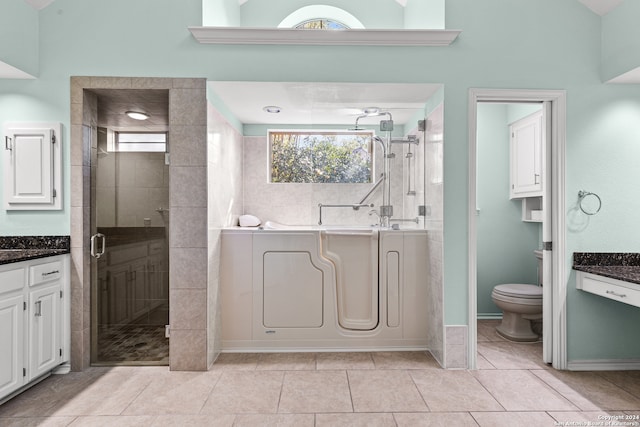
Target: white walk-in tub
[323, 288]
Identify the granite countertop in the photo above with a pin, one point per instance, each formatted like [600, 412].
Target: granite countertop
[615, 265]
[23, 248]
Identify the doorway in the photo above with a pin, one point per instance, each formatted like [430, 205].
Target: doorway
[552, 239]
[130, 224]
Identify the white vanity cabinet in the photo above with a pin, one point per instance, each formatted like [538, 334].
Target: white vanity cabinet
[34, 320]
[526, 141]
[617, 290]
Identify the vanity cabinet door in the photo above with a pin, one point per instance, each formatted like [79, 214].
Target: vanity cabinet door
[45, 332]
[139, 288]
[12, 348]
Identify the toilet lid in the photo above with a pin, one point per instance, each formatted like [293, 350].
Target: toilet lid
[519, 290]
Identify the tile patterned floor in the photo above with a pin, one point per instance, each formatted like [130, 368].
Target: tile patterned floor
[512, 387]
[133, 343]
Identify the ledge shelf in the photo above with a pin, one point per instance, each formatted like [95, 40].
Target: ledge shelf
[351, 37]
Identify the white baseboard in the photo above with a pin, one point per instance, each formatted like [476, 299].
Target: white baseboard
[489, 316]
[604, 365]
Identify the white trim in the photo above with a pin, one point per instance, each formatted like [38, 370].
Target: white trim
[352, 37]
[320, 11]
[605, 365]
[558, 134]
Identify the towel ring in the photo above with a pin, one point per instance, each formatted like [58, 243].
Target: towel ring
[583, 195]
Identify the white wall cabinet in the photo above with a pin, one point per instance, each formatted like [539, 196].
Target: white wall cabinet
[526, 139]
[34, 320]
[32, 166]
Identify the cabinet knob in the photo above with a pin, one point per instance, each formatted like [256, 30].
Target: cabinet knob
[38, 309]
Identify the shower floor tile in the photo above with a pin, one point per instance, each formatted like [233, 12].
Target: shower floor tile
[133, 343]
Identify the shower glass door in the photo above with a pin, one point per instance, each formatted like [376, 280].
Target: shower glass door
[130, 223]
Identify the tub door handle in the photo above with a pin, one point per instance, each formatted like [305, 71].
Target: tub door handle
[96, 236]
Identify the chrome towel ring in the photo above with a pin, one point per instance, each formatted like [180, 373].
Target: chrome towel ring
[587, 195]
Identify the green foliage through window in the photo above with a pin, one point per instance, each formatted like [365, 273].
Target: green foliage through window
[321, 157]
[321, 24]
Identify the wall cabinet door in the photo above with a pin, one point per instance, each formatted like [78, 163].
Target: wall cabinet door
[12, 344]
[526, 136]
[32, 166]
[45, 308]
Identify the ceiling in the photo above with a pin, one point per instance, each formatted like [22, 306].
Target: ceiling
[321, 103]
[114, 103]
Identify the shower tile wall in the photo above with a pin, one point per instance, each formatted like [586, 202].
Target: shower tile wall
[224, 169]
[297, 204]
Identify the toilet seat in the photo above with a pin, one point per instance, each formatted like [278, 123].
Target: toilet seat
[518, 290]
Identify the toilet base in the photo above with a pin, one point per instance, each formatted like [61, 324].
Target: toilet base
[516, 328]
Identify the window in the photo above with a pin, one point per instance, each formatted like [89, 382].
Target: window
[147, 142]
[320, 156]
[322, 24]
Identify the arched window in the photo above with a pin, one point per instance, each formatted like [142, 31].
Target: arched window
[321, 16]
[321, 24]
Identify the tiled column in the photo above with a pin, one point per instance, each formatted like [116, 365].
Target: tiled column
[188, 225]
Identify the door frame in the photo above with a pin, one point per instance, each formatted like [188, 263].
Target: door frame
[557, 99]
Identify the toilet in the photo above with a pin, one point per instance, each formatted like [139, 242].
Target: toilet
[520, 304]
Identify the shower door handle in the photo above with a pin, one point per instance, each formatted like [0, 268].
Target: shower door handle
[102, 247]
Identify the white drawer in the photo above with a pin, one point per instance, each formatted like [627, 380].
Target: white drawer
[12, 278]
[46, 272]
[616, 290]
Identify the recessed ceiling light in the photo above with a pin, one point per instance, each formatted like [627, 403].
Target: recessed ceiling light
[137, 115]
[273, 109]
[371, 111]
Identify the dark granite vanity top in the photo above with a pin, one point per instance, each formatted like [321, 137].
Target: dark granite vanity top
[620, 266]
[23, 248]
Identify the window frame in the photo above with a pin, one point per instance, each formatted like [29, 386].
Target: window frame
[115, 143]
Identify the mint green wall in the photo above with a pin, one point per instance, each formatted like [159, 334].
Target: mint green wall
[501, 46]
[621, 40]
[427, 14]
[505, 243]
[372, 13]
[220, 13]
[19, 35]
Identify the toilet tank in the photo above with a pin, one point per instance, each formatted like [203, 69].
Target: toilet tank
[538, 253]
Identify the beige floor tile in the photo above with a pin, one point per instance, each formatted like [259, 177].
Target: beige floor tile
[507, 355]
[286, 362]
[589, 390]
[109, 394]
[111, 421]
[522, 391]
[174, 393]
[275, 420]
[483, 363]
[513, 419]
[384, 391]
[240, 392]
[404, 360]
[333, 361]
[316, 391]
[627, 380]
[487, 331]
[194, 421]
[46, 397]
[355, 420]
[236, 362]
[440, 419]
[36, 421]
[449, 391]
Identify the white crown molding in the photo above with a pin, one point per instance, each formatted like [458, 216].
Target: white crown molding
[351, 37]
